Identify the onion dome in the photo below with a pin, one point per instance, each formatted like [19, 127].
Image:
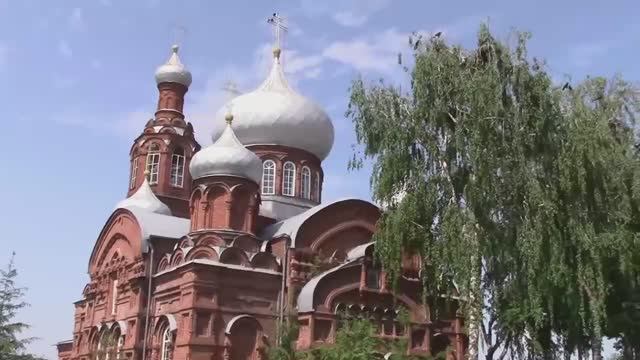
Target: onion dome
[274, 114]
[226, 157]
[145, 199]
[173, 71]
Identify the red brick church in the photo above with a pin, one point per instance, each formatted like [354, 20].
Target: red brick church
[214, 247]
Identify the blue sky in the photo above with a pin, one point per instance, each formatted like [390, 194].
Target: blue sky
[78, 87]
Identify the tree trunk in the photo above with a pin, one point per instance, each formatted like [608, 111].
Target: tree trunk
[596, 348]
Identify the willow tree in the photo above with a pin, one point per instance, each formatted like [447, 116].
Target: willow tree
[520, 191]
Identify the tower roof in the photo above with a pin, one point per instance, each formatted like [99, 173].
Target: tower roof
[173, 70]
[145, 199]
[226, 157]
[275, 114]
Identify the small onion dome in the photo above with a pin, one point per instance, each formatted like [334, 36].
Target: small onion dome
[274, 114]
[173, 71]
[145, 199]
[226, 157]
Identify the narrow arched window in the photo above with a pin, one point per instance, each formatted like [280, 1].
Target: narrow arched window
[177, 168]
[134, 173]
[119, 345]
[306, 183]
[268, 177]
[167, 345]
[317, 187]
[288, 179]
[153, 163]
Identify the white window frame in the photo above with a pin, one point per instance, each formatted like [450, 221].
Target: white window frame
[153, 163]
[167, 343]
[268, 179]
[289, 179]
[119, 345]
[305, 188]
[134, 173]
[317, 190]
[177, 169]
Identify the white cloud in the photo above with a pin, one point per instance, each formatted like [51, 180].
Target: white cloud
[64, 49]
[373, 53]
[349, 13]
[349, 19]
[76, 20]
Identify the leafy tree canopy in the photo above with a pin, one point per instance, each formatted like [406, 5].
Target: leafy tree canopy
[521, 191]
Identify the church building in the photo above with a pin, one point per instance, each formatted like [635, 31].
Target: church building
[215, 247]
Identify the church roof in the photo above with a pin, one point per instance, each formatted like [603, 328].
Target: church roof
[145, 199]
[305, 298]
[159, 225]
[291, 225]
[173, 71]
[275, 114]
[226, 157]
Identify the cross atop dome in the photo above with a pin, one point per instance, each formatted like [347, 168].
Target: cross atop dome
[280, 27]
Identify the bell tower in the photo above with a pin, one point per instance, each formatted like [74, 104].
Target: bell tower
[167, 143]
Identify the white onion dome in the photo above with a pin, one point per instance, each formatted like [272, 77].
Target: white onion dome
[173, 71]
[226, 157]
[274, 114]
[145, 199]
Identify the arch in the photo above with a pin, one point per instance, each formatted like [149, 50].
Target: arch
[202, 252]
[195, 209]
[244, 331]
[289, 179]
[168, 320]
[177, 167]
[185, 242]
[164, 262]
[329, 240]
[116, 244]
[264, 260]
[268, 183]
[246, 242]
[210, 240]
[234, 256]
[167, 130]
[240, 205]
[164, 335]
[217, 196]
[305, 185]
[178, 257]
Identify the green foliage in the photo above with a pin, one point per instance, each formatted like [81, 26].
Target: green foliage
[355, 340]
[11, 346]
[524, 193]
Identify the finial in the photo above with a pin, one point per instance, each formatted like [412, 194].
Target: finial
[175, 48]
[146, 174]
[228, 118]
[276, 53]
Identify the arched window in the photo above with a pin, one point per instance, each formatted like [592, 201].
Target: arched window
[153, 163]
[177, 168]
[317, 187]
[306, 183]
[134, 173]
[167, 345]
[119, 345]
[268, 177]
[288, 179]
